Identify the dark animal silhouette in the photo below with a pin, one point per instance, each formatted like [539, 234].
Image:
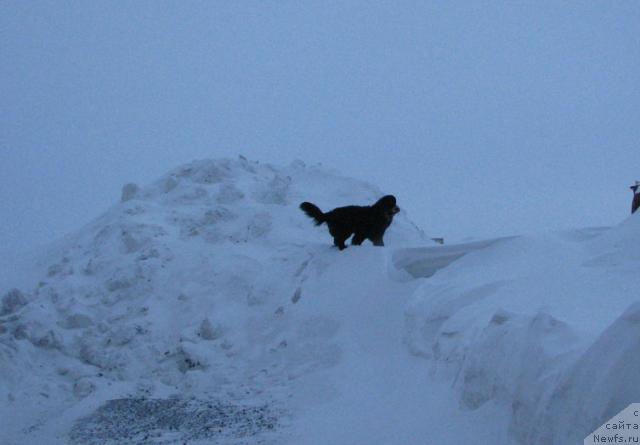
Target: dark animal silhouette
[363, 222]
[636, 197]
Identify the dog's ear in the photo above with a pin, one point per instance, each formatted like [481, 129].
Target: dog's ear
[387, 201]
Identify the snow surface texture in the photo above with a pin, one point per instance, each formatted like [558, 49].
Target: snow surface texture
[207, 308]
[185, 289]
[547, 325]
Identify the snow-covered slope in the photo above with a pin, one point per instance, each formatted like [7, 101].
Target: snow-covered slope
[547, 325]
[190, 287]
[207, 308]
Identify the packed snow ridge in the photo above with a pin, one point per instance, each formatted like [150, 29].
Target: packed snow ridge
[206, 308]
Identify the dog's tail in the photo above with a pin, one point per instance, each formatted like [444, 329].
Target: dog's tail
[314, 212]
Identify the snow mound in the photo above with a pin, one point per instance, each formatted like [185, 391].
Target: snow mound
[184, 289]
[206, 307]
[545, 325]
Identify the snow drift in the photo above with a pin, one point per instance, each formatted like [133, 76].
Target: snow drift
[207, 308]
[547, 325]
[183, 289]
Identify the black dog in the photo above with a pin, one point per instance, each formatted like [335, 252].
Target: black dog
[361, 221]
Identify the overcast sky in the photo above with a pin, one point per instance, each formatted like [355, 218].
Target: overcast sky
[483, 117]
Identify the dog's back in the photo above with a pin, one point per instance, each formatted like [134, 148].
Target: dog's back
[348, 215]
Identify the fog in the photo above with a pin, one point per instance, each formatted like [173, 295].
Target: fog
[484, 118]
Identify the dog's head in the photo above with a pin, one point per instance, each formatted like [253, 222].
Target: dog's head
[634, 187]
[388, 204]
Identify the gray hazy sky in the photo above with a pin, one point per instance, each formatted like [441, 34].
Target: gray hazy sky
[483, 117]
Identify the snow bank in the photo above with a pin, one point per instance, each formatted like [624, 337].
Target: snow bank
[535, 323]
[597, 386]
[207, 307]
[186, 288]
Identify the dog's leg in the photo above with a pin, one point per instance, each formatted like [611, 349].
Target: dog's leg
[340, 234]
[358, 238]
[339, 242]
[377, 241]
